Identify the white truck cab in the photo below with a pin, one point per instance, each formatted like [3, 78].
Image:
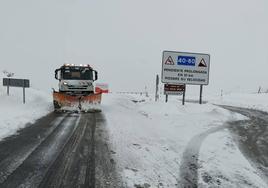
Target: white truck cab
[76, 79]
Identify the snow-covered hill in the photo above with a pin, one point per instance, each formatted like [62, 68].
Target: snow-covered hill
[14, 114]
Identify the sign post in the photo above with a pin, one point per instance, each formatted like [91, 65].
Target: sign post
[201, 92]
[183, 96]
[12, 82]
[166, 98]
[185, 68]
[156, 89]
[8, 87]
[24, 91]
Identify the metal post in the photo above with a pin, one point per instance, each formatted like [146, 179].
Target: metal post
[166, 98]
[183, 96]
[23, 91]
[156, 89]
[8, 87]
[201, 92]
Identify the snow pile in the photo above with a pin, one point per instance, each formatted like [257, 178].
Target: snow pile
[152, 141]
[255, 101]
[15, 115]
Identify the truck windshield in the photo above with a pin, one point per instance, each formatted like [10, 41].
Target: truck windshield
[77, 73]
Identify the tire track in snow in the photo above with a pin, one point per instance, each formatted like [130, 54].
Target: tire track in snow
[189, 167]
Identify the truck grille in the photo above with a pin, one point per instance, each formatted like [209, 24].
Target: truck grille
[77, 87]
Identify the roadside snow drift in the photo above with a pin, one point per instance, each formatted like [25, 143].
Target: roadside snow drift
[159, 144]
[15, 115]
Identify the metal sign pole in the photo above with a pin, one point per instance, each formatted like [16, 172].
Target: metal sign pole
[23, 91]
[156, 89]
[183, 96]
[8, 87]
[166, 98]
[201, 92]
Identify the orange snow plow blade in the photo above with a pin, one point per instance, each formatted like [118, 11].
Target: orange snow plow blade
[85, 103]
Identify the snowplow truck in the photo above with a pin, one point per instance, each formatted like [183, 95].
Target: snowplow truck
[76, 89]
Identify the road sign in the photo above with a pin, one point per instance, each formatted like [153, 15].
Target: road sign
[185, 68]
[12, 82]
[169, 61]
[172, 89]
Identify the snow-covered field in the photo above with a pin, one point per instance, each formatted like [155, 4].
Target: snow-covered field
[15, 115]
[246, 100]
[153, 142]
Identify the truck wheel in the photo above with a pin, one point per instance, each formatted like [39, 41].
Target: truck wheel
[56, 105]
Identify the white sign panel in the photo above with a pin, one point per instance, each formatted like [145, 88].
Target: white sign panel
[185, 68]
[173, 93]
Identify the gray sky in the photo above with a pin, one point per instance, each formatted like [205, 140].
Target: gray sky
[124, 39]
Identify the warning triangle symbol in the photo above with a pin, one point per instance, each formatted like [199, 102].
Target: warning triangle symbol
[169, 61]
[202, 63]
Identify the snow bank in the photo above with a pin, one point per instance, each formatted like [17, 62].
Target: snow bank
[14, 115]
[150, 138]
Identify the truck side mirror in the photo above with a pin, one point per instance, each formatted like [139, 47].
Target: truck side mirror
[56, 74]
[96, 75]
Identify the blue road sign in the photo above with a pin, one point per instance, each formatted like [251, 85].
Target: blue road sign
[186, 60]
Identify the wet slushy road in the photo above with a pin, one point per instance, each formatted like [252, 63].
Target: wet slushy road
[59, 150]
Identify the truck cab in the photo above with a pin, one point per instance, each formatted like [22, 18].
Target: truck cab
[76, 79]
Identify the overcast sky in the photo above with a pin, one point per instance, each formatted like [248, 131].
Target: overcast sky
[124, 39]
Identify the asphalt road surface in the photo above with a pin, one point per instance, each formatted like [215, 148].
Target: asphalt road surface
[59, 150]
[250, 135]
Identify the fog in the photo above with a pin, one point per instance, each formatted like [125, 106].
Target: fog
[123, 40]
